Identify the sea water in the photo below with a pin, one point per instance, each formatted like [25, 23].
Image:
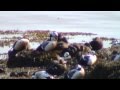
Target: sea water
[102, 23]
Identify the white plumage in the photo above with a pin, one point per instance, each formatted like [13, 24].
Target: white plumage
[77, 73]
[42, 75]
[90, 59]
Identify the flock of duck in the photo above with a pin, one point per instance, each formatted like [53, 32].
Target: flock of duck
[69, 60]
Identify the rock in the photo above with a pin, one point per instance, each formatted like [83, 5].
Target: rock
[2, 70]
[19, 74]
[13, 74]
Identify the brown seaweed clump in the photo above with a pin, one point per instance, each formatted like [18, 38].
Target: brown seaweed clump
[105, 70]
[31, 59]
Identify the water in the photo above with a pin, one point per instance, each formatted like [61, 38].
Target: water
[5, 49]
[103, 23]
[100, 22]
[10, 36]
[90, 21]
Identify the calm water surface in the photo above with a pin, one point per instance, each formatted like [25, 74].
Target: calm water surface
[103, 23]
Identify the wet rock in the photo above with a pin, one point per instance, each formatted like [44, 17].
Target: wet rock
[13, 74]
[2, 70]
[19, 74]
